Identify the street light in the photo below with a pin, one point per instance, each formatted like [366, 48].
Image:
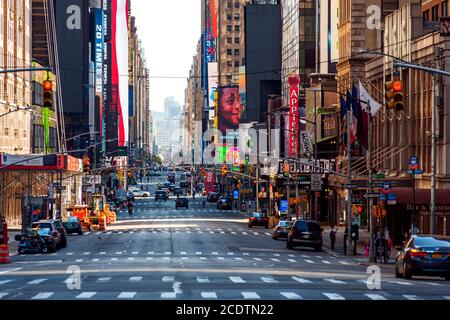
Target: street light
[17, 109]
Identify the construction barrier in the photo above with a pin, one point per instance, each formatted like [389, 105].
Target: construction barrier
[4, 254]
[102, 224]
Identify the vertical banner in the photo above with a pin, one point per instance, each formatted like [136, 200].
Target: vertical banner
[294, 81]
[98, 55]
[119, 44]
[209, 184]
[213, 82]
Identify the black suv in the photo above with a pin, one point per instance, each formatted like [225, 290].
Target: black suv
[49, 232]
[305, 233]
[225, 203]
[213, 197]
[161, 195]
[181, 202]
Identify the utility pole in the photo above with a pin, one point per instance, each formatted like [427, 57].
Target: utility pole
[369, 167]
[349, 177]
[257, 188]
[315, 152]
[433, 157]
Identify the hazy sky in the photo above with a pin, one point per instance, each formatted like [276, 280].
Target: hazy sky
[169, 31]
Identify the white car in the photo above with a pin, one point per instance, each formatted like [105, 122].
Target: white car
[140, 193]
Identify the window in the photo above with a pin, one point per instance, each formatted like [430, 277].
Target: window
[229, 40]
[435, 13]
[237, 4]
[236, 16]
[229, 78]
[426, 15]
[236, 64]
[229, 4]
[38, 139]
[228, 28]
[38, 94]
[229, 52]
[236, 52]
[229, 64]
[236, 28]
[444, 8]
[52, 138]
[16, 133]
[237, 40]
[229, 17]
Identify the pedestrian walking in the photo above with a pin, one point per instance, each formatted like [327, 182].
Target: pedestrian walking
[130, 207]
[333, 232]
[203, 203]
[345, 239]
[389, 246]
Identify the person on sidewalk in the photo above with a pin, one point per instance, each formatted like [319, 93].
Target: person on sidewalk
[333, 232]
[389, 246]
[345, 239]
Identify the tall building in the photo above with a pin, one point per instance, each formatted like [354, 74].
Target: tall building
[15, 87]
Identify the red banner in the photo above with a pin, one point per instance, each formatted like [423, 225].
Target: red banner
[293, 117]
[209, 183]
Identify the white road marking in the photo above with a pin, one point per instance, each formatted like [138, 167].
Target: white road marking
[86, 253]
[269, 280]
[401, 283]
[246, 254]
[126, 295]
[267, 234]
[233, 232]
[447, 298]
[168, 279]
[183, 253]
[79, 260]
[104, 279]
[149, 258]
[102, 253]
[238, 259]
[3, 294]
[130, 259]
[344, 263]
[6, 281]
[209, 295]
[37, 281]
[326, 262]
[203, 258]
[292, 260]
[86, 233]
[244, 233]
[150, 252]
[334, 296]
[301, 280]
[119, 252]
[215, 253]
[230, 253]
[70, 254]
[86, 295]
[250, 295]
[135, 279]
[291, 295]
[120, 232]
[375, 296]
[95, 260]
[42, 296]
[168, 295]
[335, 281]
[135, 253]
[203, 280]
[167, 253]
[276, 260]
[291, 255]
[411, 297]
[198, 253]
[221, 258]
[114, 259]
[237, 279]
[257, 259]
[309, 261]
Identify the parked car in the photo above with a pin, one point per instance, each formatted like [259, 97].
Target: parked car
[258, 219]
[140, 193]
[48, 231]
[73, 225]
[282, 230]
[213, 197]
[62, 231]
[181, 202]
[225, 203]
[161, 195]
[178, 191]
[424, 255]
[31, 242]
[305, 233]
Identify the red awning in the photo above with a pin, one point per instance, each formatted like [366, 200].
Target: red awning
[423, 196]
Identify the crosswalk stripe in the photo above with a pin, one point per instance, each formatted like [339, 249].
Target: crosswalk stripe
[150, 252]
[42, 296]
[326, 262]
[203, 280]
[168, 295]
[86, 295]
[102, 253]
[86, 253]
[239, 259]
[209, 295]
[95, 260]
[375, 296]
[344, 263]
[292, 260]
[6, 281]
[447, 298]
[3, 294]
[276, 260]
[135, 253]
[106, 279]
[79, 260]
[309, 261]
[230, 253]
[291, 295]
[401, 283]
[215, 253]
[37, 281]
[268, 280]
[334, 296]
[135, 279]
[250, 295]
[335, 281]
[257, 259]
[301, 280]
[86, 233]
[69, 254]
[198, 253]
[126, 295]
[167, 253]
[220, 258]
[183, 253]
[246, 254]
[168, 279]
[411, 297]
[237, 279]
[114, 259]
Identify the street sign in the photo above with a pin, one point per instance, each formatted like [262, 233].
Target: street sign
[417, 172]
[383, 197]
[283, 206]
[386, 187]
[392, 199]
[350, 186]
[372, 195]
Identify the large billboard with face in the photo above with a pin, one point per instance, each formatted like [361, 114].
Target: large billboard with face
[119, 46]
[230, 107]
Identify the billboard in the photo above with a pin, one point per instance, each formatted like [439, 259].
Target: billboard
[294, 82]
[212, 23]
[209, 183]
[243, 89]
[213, 82]
[230, 107]
[119, 48]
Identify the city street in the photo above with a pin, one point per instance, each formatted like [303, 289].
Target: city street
[164, 253]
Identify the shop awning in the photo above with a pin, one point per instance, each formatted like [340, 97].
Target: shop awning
[423, 196]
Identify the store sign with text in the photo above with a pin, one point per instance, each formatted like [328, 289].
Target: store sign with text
[294, 81]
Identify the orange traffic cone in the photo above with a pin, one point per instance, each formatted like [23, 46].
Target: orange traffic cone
[4, 254]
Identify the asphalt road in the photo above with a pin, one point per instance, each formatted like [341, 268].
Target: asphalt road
[200, 253]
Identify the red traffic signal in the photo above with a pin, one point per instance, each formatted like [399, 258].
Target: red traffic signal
[48, 94]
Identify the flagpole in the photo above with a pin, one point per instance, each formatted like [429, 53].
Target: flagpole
[369, 165]
[349, 191]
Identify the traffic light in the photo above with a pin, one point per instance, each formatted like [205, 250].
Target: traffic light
[86, 164]
[357, 209]
[224, 169]
[394, 94]
[48, 94]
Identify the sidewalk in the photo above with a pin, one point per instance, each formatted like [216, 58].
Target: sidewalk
[360, 257]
